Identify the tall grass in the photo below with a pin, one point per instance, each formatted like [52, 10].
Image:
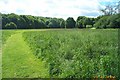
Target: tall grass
[76, 53]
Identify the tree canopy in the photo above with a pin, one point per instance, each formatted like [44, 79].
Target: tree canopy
[14, 21]
[70, 23]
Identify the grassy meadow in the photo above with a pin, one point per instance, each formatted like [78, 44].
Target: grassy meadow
[60, 53]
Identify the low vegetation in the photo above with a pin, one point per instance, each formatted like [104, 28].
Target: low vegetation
[76, 53]
[6, 34]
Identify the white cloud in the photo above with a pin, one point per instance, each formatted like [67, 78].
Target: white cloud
[52, 8]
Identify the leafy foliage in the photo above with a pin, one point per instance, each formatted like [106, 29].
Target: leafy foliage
[31, 22]
[11, 25]
[83, 21]
[76, 54]
[112, 21]
[70, 23]
[13, 21]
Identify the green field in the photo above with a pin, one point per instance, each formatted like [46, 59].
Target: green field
[70, 53]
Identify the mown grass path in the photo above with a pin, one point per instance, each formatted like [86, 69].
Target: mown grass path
[18, 61]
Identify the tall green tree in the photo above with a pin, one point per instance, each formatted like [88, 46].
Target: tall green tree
[114, 21]
[102, 22]
[70, 23]
[82, 21]
[79, 24]
[54, 23]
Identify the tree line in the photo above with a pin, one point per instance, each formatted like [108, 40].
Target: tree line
[14, 21]
[110, 19]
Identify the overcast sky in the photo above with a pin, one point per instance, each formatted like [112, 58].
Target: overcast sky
[54, 8]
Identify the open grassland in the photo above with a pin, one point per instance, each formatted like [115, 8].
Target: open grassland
[72, 53]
